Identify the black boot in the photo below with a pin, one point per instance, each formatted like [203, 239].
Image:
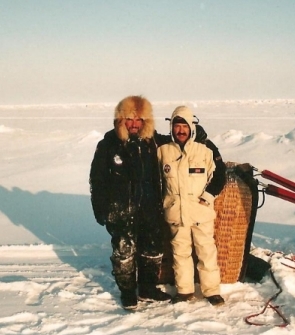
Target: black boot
[129, 299]
[215, 300]
[125, 277]
[151, 293]
[181, 297]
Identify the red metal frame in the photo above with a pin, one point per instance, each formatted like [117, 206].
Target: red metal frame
[278, 179]
[277, 191]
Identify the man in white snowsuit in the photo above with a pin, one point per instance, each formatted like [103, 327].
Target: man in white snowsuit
[187, 169]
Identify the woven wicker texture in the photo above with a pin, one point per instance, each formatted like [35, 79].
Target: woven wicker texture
[233, 210]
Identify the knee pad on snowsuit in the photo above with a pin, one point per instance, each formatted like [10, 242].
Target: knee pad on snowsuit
[124, 271]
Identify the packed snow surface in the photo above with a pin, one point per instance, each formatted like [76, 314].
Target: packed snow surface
[55, 272]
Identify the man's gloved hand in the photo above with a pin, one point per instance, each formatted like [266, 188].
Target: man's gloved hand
[201, 135]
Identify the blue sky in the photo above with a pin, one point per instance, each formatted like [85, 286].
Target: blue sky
[76, 51]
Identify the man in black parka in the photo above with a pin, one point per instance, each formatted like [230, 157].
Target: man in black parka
[126, 197]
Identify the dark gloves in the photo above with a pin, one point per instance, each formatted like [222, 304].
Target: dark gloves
[201, 135]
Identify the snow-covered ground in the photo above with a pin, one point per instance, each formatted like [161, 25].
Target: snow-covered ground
[55, 273]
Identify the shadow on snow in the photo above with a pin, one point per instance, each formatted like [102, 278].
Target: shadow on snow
[60, 220]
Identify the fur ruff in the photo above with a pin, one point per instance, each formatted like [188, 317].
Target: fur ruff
[130, 107]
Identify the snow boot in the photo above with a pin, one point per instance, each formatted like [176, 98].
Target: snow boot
[215, 300]
[151, 293]
[129, 299]
[181, 297]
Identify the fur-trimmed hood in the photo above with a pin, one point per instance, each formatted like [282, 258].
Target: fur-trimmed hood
[130, 107]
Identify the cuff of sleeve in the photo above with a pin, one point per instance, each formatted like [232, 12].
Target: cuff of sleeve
[208, 197]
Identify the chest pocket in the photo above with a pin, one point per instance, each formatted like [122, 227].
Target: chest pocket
[197, 167]
[197, 176]
[170, 175]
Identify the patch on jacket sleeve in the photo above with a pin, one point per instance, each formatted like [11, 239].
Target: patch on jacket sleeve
[166, 168]
[196, 170]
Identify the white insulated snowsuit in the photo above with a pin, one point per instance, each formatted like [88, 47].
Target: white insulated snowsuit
[186, 174]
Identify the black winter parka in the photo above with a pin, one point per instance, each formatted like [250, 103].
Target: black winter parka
[125, 176]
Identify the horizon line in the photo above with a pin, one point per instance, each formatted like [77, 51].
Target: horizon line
[205, 101]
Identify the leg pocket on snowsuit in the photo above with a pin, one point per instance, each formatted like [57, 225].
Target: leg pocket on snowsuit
[200, 213]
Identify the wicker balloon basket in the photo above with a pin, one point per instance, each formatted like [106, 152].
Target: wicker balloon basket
[235, 208]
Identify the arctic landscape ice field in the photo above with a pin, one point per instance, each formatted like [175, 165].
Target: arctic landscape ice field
[55, 272]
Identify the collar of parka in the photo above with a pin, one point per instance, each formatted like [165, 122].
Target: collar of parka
[186, 114]
[130, 107]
